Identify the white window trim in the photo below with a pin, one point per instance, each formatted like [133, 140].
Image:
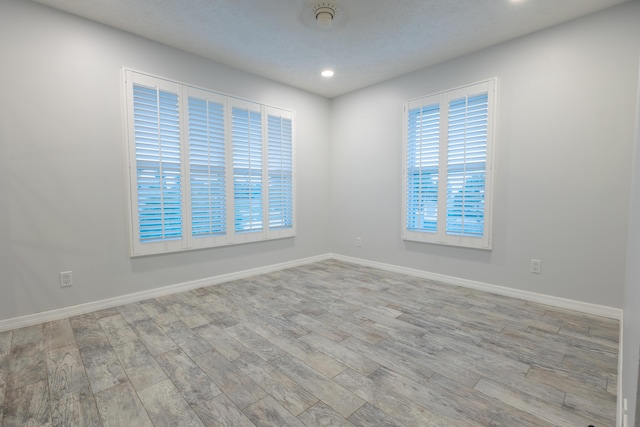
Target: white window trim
[188, 241]
[440, 236]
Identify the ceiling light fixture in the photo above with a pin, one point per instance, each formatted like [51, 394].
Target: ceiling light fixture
[325, 12]
[327, 73]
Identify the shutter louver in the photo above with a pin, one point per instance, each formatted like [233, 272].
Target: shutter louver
[422, 168]
[207, 168]
[157, 154]
[280, 172]
[247, 169]
[466, 165]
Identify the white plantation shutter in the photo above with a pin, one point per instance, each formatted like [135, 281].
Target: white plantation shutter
[447, 176]
[158, 164]
[247, 167]
[155, 165]
[423, 159]
[280, 169]
[466, 165]
[205, 169]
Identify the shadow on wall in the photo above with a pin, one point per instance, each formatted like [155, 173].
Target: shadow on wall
[467, 254]
[232, 257]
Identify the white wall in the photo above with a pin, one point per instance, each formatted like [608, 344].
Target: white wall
[631, 341]
[6, 291]
[62, 180]
[563, 161]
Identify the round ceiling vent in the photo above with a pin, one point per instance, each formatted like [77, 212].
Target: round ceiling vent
[323, 16]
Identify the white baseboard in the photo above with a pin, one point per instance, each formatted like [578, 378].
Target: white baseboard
[62, 313]
[583, 307]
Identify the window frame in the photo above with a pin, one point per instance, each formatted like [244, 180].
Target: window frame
[440, 236]
[189, 241]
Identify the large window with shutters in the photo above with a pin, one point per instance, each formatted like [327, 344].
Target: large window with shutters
[447, 171]
[205, 169]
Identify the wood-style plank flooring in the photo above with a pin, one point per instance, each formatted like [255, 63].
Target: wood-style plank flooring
[327, 344]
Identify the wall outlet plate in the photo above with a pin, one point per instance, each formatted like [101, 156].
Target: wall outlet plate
[66, 279]
[536, 266]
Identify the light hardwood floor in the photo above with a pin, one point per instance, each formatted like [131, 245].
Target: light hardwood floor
[327, 344]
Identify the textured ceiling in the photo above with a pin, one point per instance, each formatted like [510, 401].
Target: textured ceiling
[370, 41]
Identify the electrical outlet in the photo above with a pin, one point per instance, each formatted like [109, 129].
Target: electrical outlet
[359, 241]
[536, 266]
[65, 279]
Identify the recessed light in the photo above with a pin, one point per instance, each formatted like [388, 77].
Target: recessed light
[327, 73]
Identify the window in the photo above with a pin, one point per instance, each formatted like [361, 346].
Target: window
[205, 169]
[447, 173]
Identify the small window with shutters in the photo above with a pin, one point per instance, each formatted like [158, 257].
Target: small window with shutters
[205, 169]
[447, 172]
